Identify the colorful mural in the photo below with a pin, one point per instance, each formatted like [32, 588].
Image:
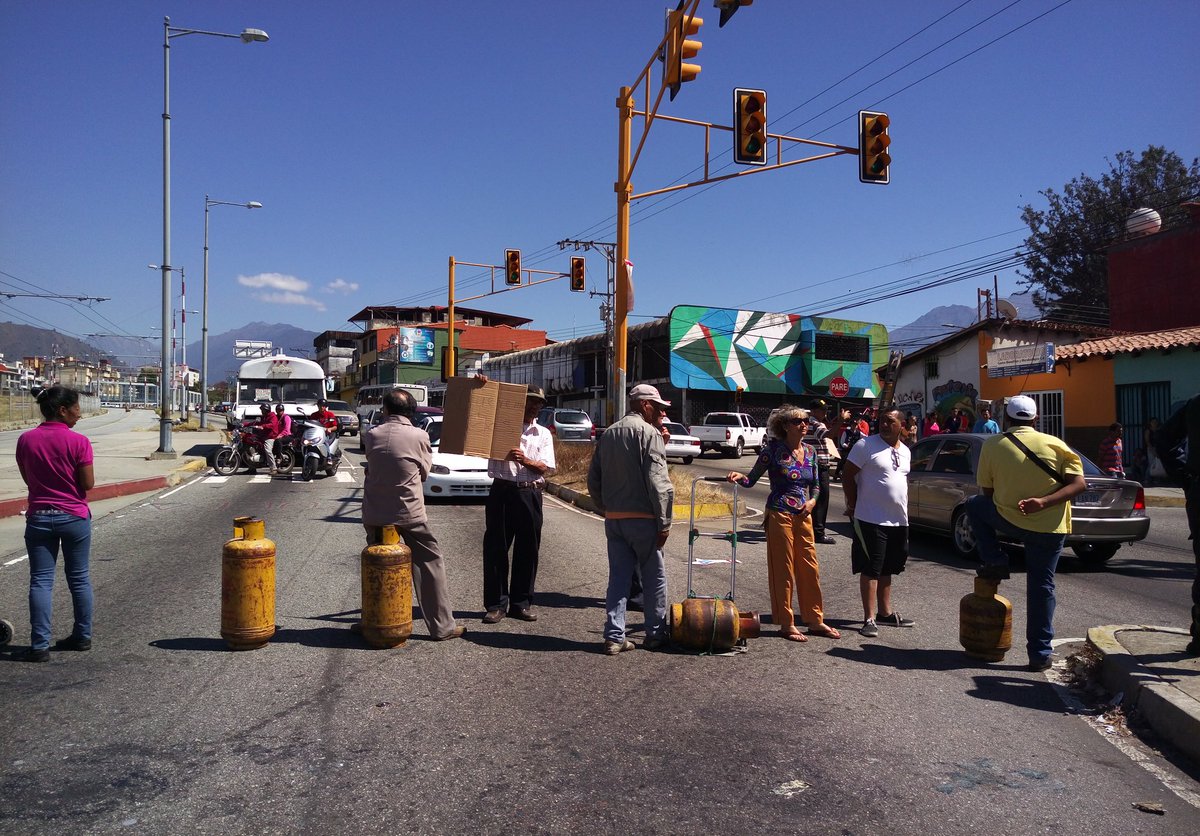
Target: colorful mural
[724, 349]
[953, 395]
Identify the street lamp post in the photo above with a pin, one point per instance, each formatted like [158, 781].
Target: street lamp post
[248, 36]
[165, 401]
[183, 388]
[252, 204]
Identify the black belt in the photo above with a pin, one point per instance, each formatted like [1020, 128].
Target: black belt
[512, 483]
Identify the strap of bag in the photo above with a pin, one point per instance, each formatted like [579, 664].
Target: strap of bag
[1035, 459]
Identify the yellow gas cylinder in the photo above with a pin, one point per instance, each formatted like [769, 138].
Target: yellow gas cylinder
[386, 589]
[711, 625]
[247, 586]
[985, 622]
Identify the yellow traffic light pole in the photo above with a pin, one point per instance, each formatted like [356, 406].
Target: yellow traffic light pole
[681, 22]
[452, 364]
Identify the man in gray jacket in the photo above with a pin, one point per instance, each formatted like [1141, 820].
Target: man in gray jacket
[628, 481]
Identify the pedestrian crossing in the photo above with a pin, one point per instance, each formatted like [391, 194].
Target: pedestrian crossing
[215, 479]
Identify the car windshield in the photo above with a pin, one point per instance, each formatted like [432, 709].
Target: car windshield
[434, 428]
[571, 416]
[337, 406]
[675, 429]
[721, 420]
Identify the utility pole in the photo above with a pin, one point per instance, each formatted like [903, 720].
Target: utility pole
[609, 250]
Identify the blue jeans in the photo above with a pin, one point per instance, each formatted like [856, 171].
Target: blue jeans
[633, 543]
[1041, 561]
[44, 533]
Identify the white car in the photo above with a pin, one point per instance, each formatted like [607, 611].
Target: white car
[453, 475]
[683, 444]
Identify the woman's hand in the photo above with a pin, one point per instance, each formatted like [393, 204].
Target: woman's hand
[734, 476]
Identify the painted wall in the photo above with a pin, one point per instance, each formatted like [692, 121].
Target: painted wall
[1181, 368]
[1152, 281]
[955, 386]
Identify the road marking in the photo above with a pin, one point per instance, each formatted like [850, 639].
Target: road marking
[343, 476]
[260, 478]
[216, 480]
[17, 560]
[1129, 747]
[181, 487]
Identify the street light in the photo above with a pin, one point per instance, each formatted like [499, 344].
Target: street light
[165, 450]
[168, 356]
[252, 204]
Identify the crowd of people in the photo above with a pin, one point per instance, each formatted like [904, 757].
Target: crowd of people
[1027, 479]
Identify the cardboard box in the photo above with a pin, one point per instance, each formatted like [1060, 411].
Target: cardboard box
[482, 419]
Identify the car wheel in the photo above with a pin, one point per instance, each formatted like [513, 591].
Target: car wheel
[226, 461]
[962, 536]
[1096, 554]
[687, 459]
[738, 448]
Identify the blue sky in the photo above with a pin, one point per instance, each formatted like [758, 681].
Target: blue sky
[384, 137]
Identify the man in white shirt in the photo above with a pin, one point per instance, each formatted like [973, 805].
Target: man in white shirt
[514, 518]
[875, 485]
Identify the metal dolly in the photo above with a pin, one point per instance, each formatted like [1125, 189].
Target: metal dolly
[694, 534]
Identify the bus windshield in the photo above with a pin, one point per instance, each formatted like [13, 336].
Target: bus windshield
[251, 390]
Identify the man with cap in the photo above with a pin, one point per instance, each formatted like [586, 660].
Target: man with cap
[514, 518]
[629, 483]
[815, 436]
[1027, 479]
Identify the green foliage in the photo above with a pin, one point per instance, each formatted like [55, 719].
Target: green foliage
[1065, 260]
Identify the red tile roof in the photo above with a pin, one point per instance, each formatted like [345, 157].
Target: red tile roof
[1127, 343]
[494, 337]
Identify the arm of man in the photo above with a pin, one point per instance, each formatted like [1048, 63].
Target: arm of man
[1033, 504]
[850, 486]
[595, 479]
[658, 484]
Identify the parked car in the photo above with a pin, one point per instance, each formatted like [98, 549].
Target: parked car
[451, 474]
[683, 444]
[730, 433]
[567, 424]
[1110, 512]
[346, 417]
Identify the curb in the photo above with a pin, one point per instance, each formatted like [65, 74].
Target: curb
[1168, 711]
[110, 490]
[1165, 501]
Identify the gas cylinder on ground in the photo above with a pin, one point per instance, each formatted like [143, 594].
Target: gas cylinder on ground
[248, 586]
[985, 622]
[711, 625]
[386, 589]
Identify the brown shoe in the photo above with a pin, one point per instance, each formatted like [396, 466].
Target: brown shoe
[522, 614]
[493, 617]
[456, 633]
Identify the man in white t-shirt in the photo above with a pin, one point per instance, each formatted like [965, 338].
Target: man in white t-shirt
[875, 485]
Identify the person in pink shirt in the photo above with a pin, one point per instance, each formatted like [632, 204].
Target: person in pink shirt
[56, 465]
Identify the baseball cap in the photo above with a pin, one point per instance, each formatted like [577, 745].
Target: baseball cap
[1022, 407]
[646, 392]
[818, 403]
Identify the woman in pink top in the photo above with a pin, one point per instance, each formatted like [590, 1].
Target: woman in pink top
[56, 464]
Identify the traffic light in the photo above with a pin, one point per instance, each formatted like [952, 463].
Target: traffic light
[675, 69]
[578, 280]
[749, 127]
[449, 366]
[873, 142]
[728, 8]
[512, 267]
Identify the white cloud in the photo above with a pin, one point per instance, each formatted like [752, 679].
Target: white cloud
[277, 281]
[340, 286]
[288, 298]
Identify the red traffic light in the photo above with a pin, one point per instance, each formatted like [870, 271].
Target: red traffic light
[578, 278]
[512, 267]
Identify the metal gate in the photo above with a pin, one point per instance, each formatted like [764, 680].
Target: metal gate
[1137, 403]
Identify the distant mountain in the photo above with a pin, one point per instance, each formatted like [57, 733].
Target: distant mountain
[17, 341]
[222, 365]
[930, 328]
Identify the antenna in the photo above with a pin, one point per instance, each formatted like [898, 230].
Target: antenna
[1006, 309]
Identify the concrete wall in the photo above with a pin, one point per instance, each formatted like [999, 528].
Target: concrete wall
[1180, 368]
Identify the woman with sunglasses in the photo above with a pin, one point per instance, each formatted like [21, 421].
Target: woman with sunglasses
[791, 466]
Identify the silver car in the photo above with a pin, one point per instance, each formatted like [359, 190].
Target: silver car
[567, 424]
[1110, 512]
[683, 444]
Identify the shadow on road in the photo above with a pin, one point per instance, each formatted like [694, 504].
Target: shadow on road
[527, 641]
[562, 601]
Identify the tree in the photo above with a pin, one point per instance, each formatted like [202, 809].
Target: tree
[1065, 260]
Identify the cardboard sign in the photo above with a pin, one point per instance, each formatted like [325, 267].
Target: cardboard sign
[482, 419]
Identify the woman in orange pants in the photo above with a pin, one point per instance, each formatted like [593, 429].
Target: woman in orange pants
[791, 466]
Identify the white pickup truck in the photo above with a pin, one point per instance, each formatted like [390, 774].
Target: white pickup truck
[729, 432]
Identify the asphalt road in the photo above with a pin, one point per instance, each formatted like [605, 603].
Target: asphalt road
[526, 727]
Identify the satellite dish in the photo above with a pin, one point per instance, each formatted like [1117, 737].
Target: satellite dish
[1006, 309]
[1143, 222]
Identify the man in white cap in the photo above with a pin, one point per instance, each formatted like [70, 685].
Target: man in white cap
[629, 483]
[1027, 479]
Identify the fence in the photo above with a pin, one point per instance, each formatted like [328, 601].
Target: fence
[21, 410]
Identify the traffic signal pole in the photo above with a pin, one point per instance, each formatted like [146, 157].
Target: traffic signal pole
[624, 188]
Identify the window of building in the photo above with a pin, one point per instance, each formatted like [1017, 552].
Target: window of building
[931, 367]
[1050, 411]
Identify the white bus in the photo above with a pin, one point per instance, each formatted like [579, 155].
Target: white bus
[295, 382]
[371, 396]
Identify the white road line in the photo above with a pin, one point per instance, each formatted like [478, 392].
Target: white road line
[261, 478]
[17, 560]
[1129, 747]
[343, 476]
[181, 487]
[216, 480]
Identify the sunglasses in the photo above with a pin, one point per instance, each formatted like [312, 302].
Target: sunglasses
[799, 421]
[895, 459]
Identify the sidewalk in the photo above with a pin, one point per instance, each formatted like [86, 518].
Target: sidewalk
[1150, 665]
[121, 444]
[1163, 497]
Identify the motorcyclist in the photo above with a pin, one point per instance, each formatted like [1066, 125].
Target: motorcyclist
[283, 431]
[324, 417]
[266, 429]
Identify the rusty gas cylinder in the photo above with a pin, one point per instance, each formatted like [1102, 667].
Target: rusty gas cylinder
[711, 625]
[386, 589]
[247, 586]
[985, 622]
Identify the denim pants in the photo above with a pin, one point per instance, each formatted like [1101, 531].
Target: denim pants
[44, 533]
[1041, 561]
[633, 544]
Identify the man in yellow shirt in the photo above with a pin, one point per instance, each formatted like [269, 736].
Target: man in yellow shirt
[1030, 502]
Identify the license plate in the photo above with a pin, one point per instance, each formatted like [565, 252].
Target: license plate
[1090, 499]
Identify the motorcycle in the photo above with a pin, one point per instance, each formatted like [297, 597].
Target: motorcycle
[246, 449]
[316, 448]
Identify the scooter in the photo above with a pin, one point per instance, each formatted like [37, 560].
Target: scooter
[316, 449]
